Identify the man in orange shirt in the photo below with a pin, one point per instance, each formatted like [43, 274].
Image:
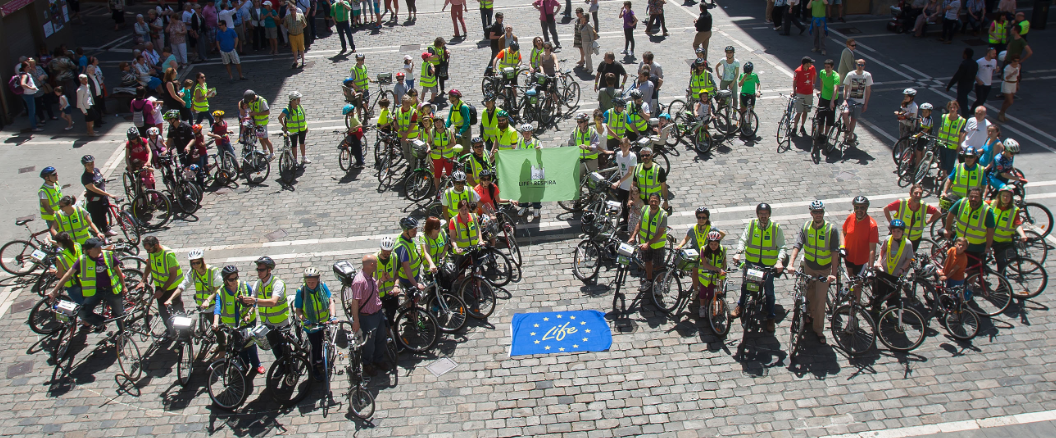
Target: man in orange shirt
[859, 237]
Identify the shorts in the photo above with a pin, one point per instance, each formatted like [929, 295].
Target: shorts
[355, 12]
[439, 166]
[271, 33]
[297, 42]
[261, 133]
[706, 292]
[747, 100]
[1008, 87]
[296, 137]
[855, 108]
[68, 109]
[921, 143]
[655, 255]
[230, 57]
[432, 89]
[835, 2]
[240, 31]
[803, 102]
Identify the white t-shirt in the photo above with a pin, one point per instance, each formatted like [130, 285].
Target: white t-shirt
[955, 9]
[227, 16]
[188, 279]
[626, 164]
[728, 69]
[474, 198]
[186, 17]
[986, 70]
[911, 112]
[858, 83]
[975, 133]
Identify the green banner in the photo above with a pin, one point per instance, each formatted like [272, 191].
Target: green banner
[539, 175]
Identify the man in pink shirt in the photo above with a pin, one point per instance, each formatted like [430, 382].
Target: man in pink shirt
[365, 309]
[547, 11]
[209, 12]
[803, 87]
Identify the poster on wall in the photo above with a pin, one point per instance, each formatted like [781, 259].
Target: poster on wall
[56, 15]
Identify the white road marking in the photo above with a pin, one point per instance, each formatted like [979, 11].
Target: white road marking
[745, 46]
[956, 426]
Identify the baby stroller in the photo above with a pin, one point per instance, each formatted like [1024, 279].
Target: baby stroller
[902, 17]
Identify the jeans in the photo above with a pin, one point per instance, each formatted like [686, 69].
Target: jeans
[75, 294]
[44, 105]
[204, 43]
[31, 110]
[628, 38]
[259, 40]
[551, 25]
[1002, 252]
[655, 20]
[249, 356]
[374, 350]
[948, 28]
[115, 301]
[277, 341]
[316, 340]
[342, 30]
[486, 16]
[981, 93]
[98, 210]
[768, 287]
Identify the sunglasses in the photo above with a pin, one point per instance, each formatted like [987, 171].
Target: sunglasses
[262, 269]
[861, 65]
[644, 156]
[852, 45]
[478, 147]
[702, 218]
[861, 208]
[231, 279]
[196, 263]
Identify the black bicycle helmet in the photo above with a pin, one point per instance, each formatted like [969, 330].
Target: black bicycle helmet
[515, 47]
[87, 159]
[619, 103]
[266, 261]
[704, 210]
[700, 62]
[477, 139]
[729, 48]
[228, 270]
[132, 133]
[762, 207]
[748, 67]
[860, 200]
[408, 223]
[487, 173]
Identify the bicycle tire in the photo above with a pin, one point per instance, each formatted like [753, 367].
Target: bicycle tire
[286, 168]
[901, 328]
[418, 332]
[923, 169]
[227, 385]
[586, 260]
[128, 357]
[904, 169]
[677, 110]
[15, 257]
[510, 236]
[185, 363]
[129, 184]
[702, 140]
[479, 295]
[751, 124]
[856, 339]
[129, 227]
[45, 282]
[659, 157]
[42, 318]
[987, 300]
[1027, 277]
[784, 134]
[230, 167]
[815, 151]
[962, 324]
[1036, 247]
[900, 148]
[670, 298]
[450, 317]
[289, 380]
[719, 316]
[344, 159]
[1039, 217]
[385, 171]
[152, 209]
[188, 197]
[361, 403]
[835, 132]
[722, 121]
[257, 169]
[62, 343]
[419, 185]
[795, 332]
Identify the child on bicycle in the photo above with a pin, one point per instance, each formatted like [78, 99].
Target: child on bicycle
[198, 154]
[220, 133]
[712, 271]
[907, 113]
[750, 87]
[156, 144]
[956, 263]
[919, 142]
[386, 121]
[702, 109]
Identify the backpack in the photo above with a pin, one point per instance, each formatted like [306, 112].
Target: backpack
[137, 114]
[472, 114]
[15, 84]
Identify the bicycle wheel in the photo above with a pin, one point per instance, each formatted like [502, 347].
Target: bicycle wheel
[63, 342]
[901, 328]
[784, 136]
[923, 169]
[230, 167]
[702, 140]
[227, 384]
[836, 131]
[385, 172]
[719, 315]
[670, 289]
[185, 362]
[586, 261]
[479, 296]
[939, 248]
[853, 335]
[677, 111]
[361, 403]
[961, 323]
[258, 168]
[989, 293]
[509, 235]
[187, 201]
[900, 148]
[795, 332]
[288, 380]
[661, 158]
[15, 257]
[1036, 247]
[451, 315]
[152, 209]
[722, 121]
[419, 185]
[416, 329]
[815, 151]
[1027, 277]
[42, 318]
[129, 183]
[905, 170]
[128, 358]
[570, 95]
[750, 125]
[1038, 218]
[129, 227]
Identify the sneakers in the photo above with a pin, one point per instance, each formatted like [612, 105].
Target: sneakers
[261, 370]
[631, 53]
[736, 312]
[271, 156]
[305, 161]
[821, 338]
[522, 211]
[110, 233]
[623, 52]
[803, 131]
[646, 284]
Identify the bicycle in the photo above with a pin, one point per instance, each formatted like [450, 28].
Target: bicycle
[484, 269]
[447, 309]
[354, 97]
[414, 326]
[500, 225]
[591, 185]
[541, 109]
[122, 218]
[255, 164]
[701, 137]
[228, 386]
[754, 276]
[187, 327]
[947, 302]
[150, 208]
[899, 328]
[723, 120]
[289, 379]
[221, 167]
[1035, 217]
[361, 401]
[17, 256]
[800, 311]
[851, 326]
[784, 126]
[328, 354]
[287, 163]
[985, 298]
[180, 184]
[748, 120]
[419, 185]
[569, 89]
[387, 154]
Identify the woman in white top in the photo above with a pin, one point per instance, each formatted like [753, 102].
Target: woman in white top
[1009, 85]
[29, 89]
[626, 161]
[86, 104]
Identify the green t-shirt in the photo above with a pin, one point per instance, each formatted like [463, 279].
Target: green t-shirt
[340, 11]
[828, 82]
[1015, 48]
[751, 80]
[817, 9]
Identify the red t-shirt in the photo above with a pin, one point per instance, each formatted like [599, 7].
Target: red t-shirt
[804, 80]
[859, 235]
[220, 128]
[893, 208]
[485, 197]
[200, 149]
[137, 152]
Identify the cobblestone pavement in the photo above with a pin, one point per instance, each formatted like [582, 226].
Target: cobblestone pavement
[671, 376]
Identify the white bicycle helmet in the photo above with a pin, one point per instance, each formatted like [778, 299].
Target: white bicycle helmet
[153, 131]
[527, 127]
[295, 95]
[387, 243]
[195, 254]
[1011, 146]
[817, 205]
[909, 92]
[926, 106]
[310, 272]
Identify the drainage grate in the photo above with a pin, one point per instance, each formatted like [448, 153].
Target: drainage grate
[26, 169]
[19, 369]
[22, 306]
[411, 48]
[276, 235]
[442, 366]
[626, 326]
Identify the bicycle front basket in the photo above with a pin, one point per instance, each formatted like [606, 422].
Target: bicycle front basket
[509, 72]
[259, 335]
[66, 310]
[596, 180]
[344, 271]
[420, 149]
[182, 325]
[723, 95]
[687, 259]
[384, 78]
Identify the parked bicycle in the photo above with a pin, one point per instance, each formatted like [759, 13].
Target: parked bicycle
[255, 165]
[800, 305]
[17, 256]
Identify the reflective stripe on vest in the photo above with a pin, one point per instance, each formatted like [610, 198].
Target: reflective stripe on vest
[475, 166]
[490, 129]
[533, 59]
[437, 247]
[229, 305]
[76, 224]
[427, 80]
[388, 267]
[203, 106]
[950, 131]
[998, 32]
[508, 139]
[403, 123]
[295, 120]
[617, 122]
[761, 246]
[485, 4]
[277, 314]
[891, 263]
[453, 198]
[439, 55]
[530, 144]
[87, 274]
[648, 179]
[414, 257]
[701, 238]
[65, 260]
[639, 122]
[159, 266]
[698, 83]
[360, 79]
[316, 307]
[203, 285]
[816, 245]
[441, 145]
[966, 179]
[717, 260]
[971, 224]
[583, 139]
[914, 219]
[651, 225]
[509, 58]
[54, 194]
[454, 116]
[466, 234]
[1006, 223]
[259, 120]
[384, 117]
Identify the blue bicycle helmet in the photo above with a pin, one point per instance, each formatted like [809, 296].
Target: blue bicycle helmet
[665, 116]
[897, 223]
[347, 109]
[44, 173]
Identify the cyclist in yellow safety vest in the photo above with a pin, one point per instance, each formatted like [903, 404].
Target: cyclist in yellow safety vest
[1008, 226]
[477, 161]
[203, 279]
[896, 253]
[711, 273]
[527, 142]
[700, 79]
[973, 220]
[508, 57]
[293, 123]
[410, 257]
[49, 193]
[257, 107]
[441, 150]
[270, 297]
[163, 271]
[407, 129]
[637, 116]
[761, 244]
[914, 212]
[951, 134]
[101, 280]
[464, 229]
[648, 177]
[74, 220]
[458, 118]
[820, 242]
[315, 306]
[965, 176]
[651, 234]
[68, 253]
[386, 275]
[615, 123]
[428, 80]
[506, 138]
[998, 33]
[487, 12]
[460, 192]
[489, 122]
[360, 83]
[586, 139]
[696, 236]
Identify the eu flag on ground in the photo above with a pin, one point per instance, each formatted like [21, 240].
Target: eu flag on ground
[560, 332]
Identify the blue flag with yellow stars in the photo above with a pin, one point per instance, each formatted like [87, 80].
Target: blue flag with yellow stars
[560, 332]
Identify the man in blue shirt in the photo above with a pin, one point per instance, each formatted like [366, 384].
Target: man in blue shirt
[314, 308]
[226, 41]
